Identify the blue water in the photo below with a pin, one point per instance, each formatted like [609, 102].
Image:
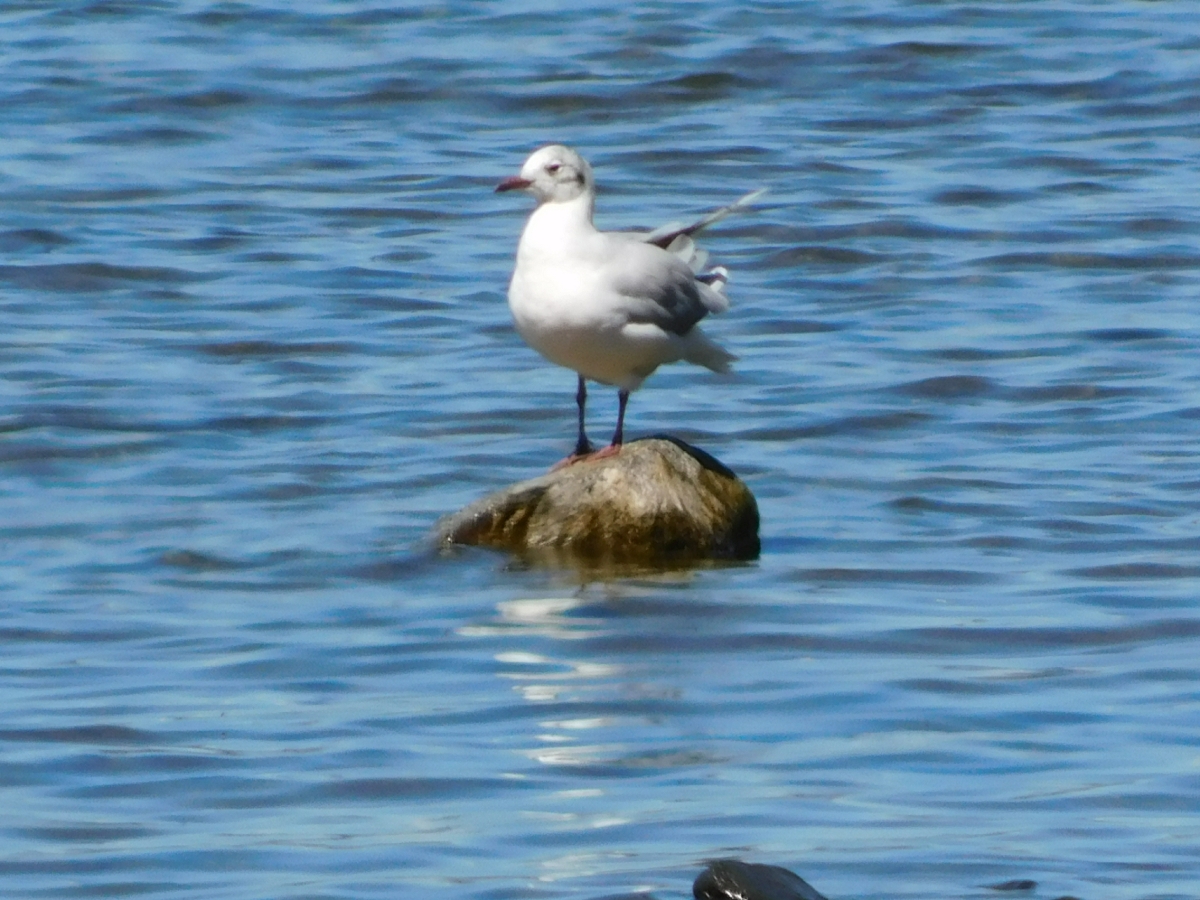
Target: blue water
[255, 342]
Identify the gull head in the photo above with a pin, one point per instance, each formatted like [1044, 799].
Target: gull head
[553, 174]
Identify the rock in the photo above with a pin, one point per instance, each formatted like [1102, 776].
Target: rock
[659, 500]
[732, 879]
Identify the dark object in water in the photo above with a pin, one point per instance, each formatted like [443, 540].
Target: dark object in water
[1017, 884]
[732, 879]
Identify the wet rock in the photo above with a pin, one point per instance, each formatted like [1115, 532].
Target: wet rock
[732, 879]
[658, 501]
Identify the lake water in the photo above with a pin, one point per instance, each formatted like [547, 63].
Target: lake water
[255, 342]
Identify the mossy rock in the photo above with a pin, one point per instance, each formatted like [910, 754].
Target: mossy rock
[659, 501]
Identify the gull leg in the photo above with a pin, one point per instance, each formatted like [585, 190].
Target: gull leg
[619, 435]
[582, 446]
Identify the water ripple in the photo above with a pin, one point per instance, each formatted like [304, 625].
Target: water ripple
[256, 343]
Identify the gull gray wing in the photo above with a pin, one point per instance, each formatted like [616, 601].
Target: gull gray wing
[660, 288]
[664, 235]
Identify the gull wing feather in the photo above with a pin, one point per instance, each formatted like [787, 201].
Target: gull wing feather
[665, 234]
[660, 287]
[681, 298]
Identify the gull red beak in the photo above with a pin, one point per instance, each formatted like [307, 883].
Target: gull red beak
[515, 183]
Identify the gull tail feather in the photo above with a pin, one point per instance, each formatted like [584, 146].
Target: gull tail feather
[702, 350]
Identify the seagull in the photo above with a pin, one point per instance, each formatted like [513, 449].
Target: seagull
[612, 306]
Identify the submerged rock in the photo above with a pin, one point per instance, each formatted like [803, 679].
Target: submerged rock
[659, 500]
[732, 879]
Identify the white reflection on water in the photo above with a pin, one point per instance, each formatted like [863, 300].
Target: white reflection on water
[544, 616]
[541, 678]
[561, 743]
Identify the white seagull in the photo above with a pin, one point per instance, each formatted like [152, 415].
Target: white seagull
[612, 306]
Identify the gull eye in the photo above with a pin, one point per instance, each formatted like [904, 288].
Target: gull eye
[553, 167]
